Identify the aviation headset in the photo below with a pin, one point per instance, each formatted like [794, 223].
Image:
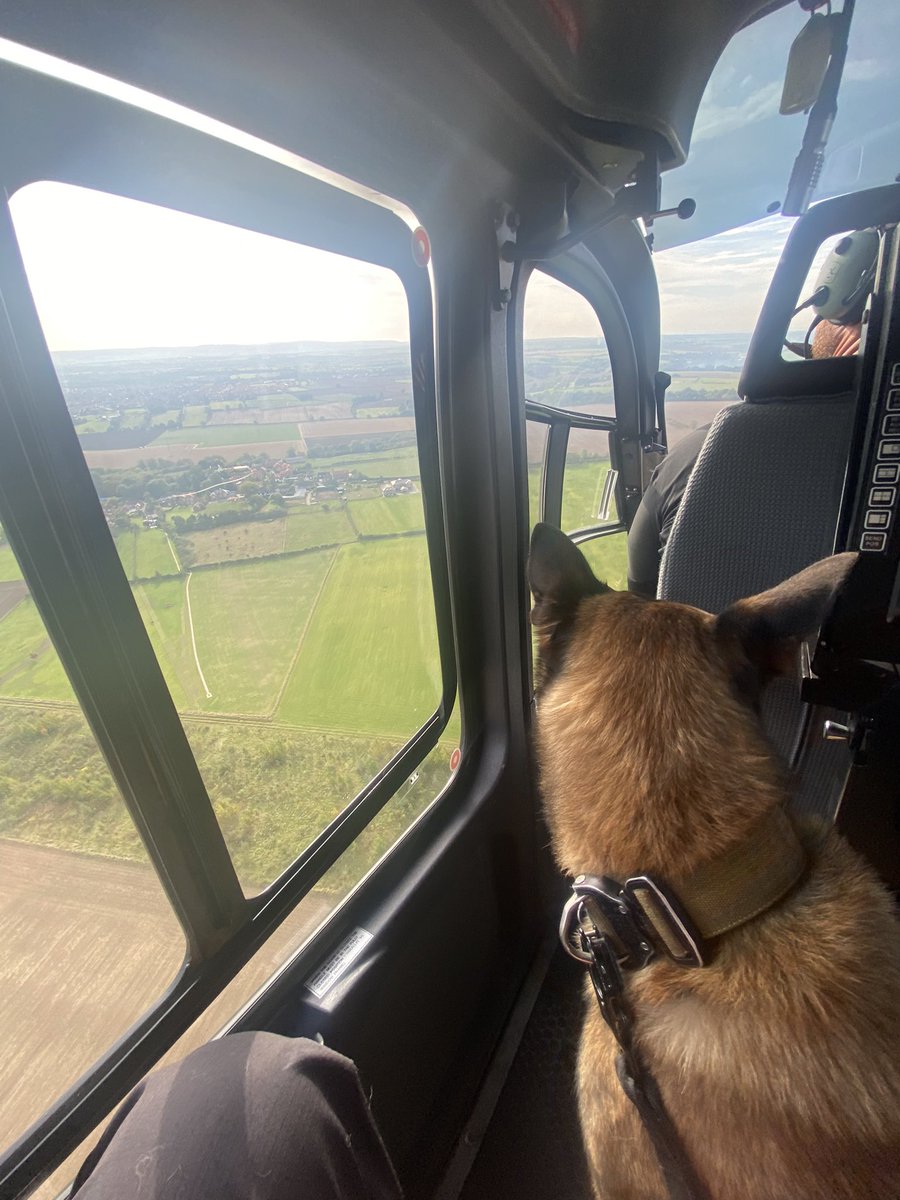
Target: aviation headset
[846, 278]
[844, 282]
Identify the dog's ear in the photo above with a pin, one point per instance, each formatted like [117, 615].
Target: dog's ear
[559, 578]
[769, 628]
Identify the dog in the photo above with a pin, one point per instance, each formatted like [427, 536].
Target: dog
[779, 1061]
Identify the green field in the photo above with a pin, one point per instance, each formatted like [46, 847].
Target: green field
[135, 418]
[195, 414]
[161, 606]
[278, 400]
[369, 662]
[389, 465]
[232, 543]
[320, 665]
[582, 490]
[29, 666]
[9, 568]
[608, 559]
[388, 515]
[145, 553]
[227, 435]
[717, 384]
[248, 621]
[307, 526]
[535, 472]
[93, 425]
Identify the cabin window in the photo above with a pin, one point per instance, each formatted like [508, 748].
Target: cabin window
[245, 407]
[566, 360]
[570, 412]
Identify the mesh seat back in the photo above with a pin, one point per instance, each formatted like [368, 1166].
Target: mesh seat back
[761, 504]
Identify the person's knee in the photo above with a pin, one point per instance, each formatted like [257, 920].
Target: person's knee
[249, 1115]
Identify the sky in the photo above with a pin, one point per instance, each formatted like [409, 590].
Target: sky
[108, 272]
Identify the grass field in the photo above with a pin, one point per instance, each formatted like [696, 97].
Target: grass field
[92, 425]
[388, 514]
[195, 414]
[369, 662]
[360, 656]
[162, 608]
[306, 527]
[718, 383]
[279, 400]
[29, 666]
[145, 553]
[582, 490]
[9, 568]
[389, 465]
[248, 621]
[608, 559]
[226, 435]
[232, 543]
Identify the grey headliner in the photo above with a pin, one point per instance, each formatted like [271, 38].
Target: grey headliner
[396, 94]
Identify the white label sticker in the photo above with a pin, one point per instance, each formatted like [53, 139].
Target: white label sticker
[323, 980]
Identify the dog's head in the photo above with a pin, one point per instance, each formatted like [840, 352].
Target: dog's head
[652, 756]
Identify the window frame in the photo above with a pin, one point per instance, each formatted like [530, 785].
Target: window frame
[52, 515]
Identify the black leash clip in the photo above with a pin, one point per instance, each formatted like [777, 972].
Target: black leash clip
[609, 986]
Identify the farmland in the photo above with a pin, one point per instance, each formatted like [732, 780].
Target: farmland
[288, 599]
[229, 435]
[267, 508]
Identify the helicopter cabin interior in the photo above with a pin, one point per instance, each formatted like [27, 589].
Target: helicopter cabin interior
[310, 313]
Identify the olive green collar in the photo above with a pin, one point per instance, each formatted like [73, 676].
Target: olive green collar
[645, 916]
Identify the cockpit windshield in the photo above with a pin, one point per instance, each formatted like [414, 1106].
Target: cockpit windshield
[743, 149]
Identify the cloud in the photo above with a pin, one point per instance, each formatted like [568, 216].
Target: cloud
[715, 119]
[862, 70]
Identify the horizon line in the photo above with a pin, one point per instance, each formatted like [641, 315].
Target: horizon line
[325, 342]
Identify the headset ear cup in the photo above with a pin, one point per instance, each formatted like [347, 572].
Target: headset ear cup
[847, 276]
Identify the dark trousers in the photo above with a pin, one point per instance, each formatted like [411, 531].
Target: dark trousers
[253, 1116]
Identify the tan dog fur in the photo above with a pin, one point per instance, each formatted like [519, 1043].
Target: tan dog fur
[780, 1062]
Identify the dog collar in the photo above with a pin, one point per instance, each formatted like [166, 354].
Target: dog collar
[644, 917]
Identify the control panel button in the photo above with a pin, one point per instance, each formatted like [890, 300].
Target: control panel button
[890, 426]
[873, 541]
[889, 450]
[877, 518]
[893, 400]
[895, 375]
[886, 473]
[882, 495]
